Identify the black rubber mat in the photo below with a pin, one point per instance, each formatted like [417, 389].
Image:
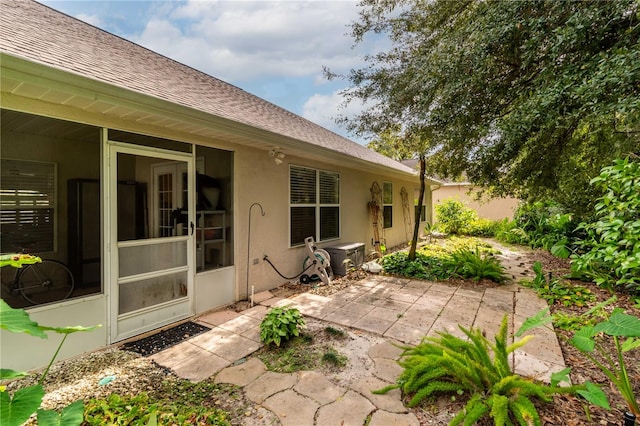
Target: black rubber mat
[167, 338]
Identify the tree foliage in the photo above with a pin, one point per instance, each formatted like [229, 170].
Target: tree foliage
[612, 243]
[526, 97]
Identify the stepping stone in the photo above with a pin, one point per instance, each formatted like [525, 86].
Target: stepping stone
[268, 384]
[351, 410]
[387, 369]
[315, 385]
[390, 401]
[384, 418]
[385, 350]
[243, 374]
[294, 409]
[261, 297]
[219, 317]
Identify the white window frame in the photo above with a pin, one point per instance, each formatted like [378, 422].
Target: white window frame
[26, 199]
[385, 203]
[316, 204]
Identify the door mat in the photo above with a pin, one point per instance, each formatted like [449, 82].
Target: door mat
[166, 338]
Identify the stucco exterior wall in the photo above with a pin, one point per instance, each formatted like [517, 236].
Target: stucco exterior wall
[495, 209]
[260, 180]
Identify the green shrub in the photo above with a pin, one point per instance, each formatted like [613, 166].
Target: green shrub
[547, 225]
[611, 247]
[555, 291]
[450, 364]
[464, 257]
[281, 324]
[508, 231]
[482, 227]
[453, 216]
[476, 265]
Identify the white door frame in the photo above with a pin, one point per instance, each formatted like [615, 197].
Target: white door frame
[133, 323]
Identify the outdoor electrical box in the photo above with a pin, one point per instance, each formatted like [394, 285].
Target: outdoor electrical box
[345, 257]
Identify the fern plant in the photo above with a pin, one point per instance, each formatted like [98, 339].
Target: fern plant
[450, 364]
[476, 265]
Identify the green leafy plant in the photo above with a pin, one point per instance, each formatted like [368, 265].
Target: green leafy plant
[331, 356]
[17, 409]
[588, 340]
[433, 261]
[280, 324]
[476, 265]
[453, 216]
[179, 403]
[482, 227]
[508, 231]
[554, 290]
[618, 325]
[450, 364]
[611, 249]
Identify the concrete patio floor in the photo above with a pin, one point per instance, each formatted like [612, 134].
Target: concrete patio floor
[397, 309]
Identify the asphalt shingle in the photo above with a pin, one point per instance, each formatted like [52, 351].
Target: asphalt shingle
[38, 33]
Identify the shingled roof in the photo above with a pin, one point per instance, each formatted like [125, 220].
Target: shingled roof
[37, 33]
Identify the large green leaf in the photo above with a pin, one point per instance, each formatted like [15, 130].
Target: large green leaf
[16, 411]
[583, 339]
[595, 395]
[69, 330]
[539, 319]
[620, 324]
[630, 344]
[6, 374]
[18, 321]
[560, 376]
[71, 415]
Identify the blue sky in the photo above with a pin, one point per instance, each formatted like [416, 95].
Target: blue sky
[273, 49]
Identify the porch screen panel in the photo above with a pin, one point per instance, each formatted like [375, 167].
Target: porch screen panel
[142, 259]
[28, 203]
[146, 293]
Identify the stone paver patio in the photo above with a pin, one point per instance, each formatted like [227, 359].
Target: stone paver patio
[400, 310]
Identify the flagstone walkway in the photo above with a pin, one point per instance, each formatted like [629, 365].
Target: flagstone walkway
[395, 310]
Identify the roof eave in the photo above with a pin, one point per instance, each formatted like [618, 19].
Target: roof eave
[75, 85]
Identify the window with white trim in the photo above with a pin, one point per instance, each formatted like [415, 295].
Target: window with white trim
[387, 204]
[28, 206]
[314, 204]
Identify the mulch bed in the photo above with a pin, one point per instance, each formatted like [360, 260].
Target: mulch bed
[164, 339]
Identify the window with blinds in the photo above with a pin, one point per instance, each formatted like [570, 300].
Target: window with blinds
[387, 204]
[27, 205]
[314, 204]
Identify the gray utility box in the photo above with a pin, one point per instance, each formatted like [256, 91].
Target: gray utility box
[352, 251]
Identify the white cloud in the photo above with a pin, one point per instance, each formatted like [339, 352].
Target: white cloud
[324, 109]
[90, 19]
[239, 40]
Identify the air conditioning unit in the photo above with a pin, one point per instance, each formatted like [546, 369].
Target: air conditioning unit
[353, 252]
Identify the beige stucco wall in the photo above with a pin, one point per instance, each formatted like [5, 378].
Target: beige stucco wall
[256, 178]
[495, 209]
[260, 180]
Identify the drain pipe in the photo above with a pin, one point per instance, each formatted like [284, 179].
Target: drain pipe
[249, 241]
